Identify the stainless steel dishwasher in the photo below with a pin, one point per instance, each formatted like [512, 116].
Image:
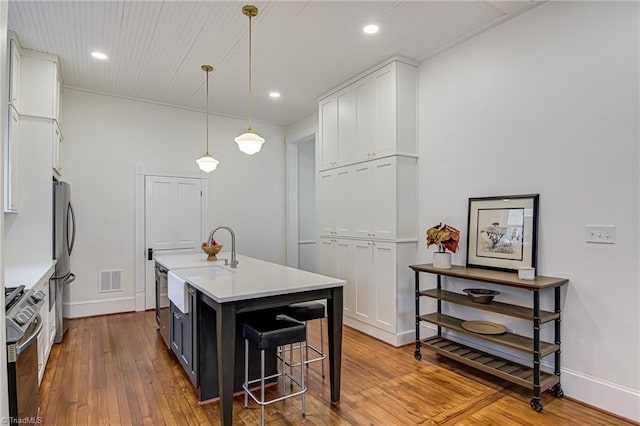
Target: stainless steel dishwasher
[162, 304]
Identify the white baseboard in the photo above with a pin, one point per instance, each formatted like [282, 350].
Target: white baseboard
[141, 301]
[608, 396]
[99, 307]
[387, 337]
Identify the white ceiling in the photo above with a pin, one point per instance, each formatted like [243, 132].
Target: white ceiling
[302, 49]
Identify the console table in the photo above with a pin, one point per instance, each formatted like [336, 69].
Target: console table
[528, 376]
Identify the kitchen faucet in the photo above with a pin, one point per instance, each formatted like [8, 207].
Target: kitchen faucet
[234, 261]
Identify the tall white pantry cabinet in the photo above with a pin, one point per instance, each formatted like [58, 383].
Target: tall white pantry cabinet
[34, 115]
[367, 192]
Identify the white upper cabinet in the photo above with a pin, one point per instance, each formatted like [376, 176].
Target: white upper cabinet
[11, 162]
[14, 74]
[372, 116]
[327, 149]
[39, 85]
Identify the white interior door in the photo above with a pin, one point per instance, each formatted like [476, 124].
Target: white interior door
[173, 222]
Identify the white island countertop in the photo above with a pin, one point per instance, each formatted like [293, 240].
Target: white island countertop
[253, 278]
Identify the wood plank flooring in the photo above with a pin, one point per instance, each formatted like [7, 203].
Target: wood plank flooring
[115, 370]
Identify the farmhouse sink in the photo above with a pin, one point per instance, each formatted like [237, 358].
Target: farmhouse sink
[177, 283]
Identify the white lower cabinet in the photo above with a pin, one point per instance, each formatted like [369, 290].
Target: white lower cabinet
[44, 340]
[377, 296]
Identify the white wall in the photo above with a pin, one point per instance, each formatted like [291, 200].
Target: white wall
[105, 138]
[548, 103]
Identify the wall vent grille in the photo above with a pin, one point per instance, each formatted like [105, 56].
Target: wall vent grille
[109, 280]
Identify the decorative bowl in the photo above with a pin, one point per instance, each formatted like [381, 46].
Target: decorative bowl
[212, 251]
[481, 295]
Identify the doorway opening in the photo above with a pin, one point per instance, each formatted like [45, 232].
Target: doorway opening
[301, 203]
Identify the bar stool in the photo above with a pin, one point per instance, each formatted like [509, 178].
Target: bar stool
[272, 333]
[307, 311]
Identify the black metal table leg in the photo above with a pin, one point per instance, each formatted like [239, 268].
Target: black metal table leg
[417, 354]
[535, 401]
[439, 304]
[556, 390]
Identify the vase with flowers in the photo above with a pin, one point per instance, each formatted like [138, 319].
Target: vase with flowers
[446, 237]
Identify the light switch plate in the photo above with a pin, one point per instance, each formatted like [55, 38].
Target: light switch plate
[601, 234]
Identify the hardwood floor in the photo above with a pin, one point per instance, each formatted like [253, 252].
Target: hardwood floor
[115, 369]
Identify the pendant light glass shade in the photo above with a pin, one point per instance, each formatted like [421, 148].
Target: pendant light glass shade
[249, 142]
[207, 163]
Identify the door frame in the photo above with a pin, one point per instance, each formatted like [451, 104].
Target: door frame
[139, 206]
[292, 208]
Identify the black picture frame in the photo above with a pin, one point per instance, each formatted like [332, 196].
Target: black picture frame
[502, 232]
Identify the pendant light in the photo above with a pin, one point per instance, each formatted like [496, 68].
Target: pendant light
[249, 142]
[207, 163]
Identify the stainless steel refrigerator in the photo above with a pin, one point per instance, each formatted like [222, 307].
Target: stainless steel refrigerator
[64, 236]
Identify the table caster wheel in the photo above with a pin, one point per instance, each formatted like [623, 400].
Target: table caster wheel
[557, 391]
[418, 355]
[536, 405]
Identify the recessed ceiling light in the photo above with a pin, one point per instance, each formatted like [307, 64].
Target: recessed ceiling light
[99, 55]
[371, 29]
[274, 94]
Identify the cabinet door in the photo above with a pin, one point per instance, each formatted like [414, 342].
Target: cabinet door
[11, 175]
[14, 75]
[342, 206]
[37, 86]
[346, 126]
[343, 250]
[384, 285]
[176, 331]
[326, 205]
[365, 100]
[326, 257]
[362, 198]
[187, 335]
[383, 209]
[56, 144]
[385, 141]
[362, 280]
[328, 148]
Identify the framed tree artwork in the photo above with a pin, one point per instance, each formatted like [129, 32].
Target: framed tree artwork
[502, 232]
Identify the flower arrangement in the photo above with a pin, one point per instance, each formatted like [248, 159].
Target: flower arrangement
[445, 236]
[213, 244]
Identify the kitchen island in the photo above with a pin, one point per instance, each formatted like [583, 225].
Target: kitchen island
[253, 286]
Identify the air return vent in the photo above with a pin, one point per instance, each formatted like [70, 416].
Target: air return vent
[109, 280]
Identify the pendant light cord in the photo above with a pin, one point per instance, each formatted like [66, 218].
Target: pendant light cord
[250, 85]
[207, 116]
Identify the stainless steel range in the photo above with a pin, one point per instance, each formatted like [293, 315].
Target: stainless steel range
[23, 325]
